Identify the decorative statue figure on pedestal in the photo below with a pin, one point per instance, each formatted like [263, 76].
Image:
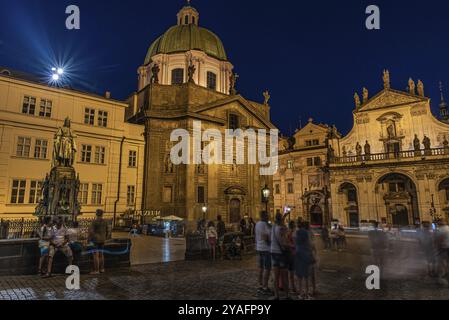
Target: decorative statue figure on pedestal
[61, 187]
[191, 72]
[64, 147]
[155, 73]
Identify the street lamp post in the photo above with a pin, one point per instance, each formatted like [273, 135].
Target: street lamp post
[266, 196]
[204, 209]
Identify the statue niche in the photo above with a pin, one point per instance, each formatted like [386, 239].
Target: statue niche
[61, 186]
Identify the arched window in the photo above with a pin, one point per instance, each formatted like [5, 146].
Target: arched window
[177, 76]
[186, 20]
[211, 80]
[193, 20]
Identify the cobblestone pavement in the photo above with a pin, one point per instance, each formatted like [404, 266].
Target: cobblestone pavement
[341, 276]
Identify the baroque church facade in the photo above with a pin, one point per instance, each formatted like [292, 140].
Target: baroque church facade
[187, 77]
[393, 167]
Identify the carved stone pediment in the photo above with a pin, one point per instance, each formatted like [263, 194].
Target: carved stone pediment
[391, 98]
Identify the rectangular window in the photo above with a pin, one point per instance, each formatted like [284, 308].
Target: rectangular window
[40, 149]
[35, 192]
[211, 80]
[29, 105]
[102, 119]
[277, 189]
[234, 122]
[89, 116]
[131, 196]
[447, 194]
[167, 196]
[45, 108]
[290, 164]
[290, 188]
[84, 193]
[18, 191]
[23, 147]
[317, 161]
[310, 162]
[100, 155]
[86, 153]
[97, 190]
[132, 159]
[201, 195]
[177, 76]
[312, 143]
[392, 187]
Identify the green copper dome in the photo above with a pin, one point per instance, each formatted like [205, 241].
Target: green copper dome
[183, 38]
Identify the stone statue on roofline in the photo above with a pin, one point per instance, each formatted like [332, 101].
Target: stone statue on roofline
[411, 86]
[365, 95]
[386, 79]
[267, 97]
[357, 101]
[420, 88]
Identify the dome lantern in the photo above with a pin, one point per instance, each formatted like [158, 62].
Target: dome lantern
[188, 15]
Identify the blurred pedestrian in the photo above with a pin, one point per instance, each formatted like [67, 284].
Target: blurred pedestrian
[59, 242]
[314, 263]
[379, 245]
[212, 236]
[304, 260]
[342, 238]
[335, 237]
[263, 245]
[44, 242]
[442, 244]
[280, 252]
[243, 226]
[221, 231]
[325, 237]
[291, 235]
[252, 225]
[97, 235]
[427, 243]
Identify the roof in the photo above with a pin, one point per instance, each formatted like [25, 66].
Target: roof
[183, 38]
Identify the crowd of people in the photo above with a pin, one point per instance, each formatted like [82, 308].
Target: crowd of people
[55, 237]
[287, 255]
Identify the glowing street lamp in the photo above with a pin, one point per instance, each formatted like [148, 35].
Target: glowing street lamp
[266, 197]
[204, 209]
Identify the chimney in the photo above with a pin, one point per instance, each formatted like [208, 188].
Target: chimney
[107, 95]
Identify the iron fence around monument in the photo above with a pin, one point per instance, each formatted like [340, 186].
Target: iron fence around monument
[29, 228]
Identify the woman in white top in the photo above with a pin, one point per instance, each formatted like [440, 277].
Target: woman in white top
[211, 236]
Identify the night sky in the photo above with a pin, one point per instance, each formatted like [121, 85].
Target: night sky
[311, 55]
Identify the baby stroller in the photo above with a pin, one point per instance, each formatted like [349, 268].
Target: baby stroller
[233, 244]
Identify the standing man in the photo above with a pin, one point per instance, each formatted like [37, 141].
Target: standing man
[263, 245]
[98, 233]
[279, 255]
[221, 231]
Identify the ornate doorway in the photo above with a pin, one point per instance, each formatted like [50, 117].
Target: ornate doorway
[401, 199]
[316, 216]
[400, 216]
[234, 211]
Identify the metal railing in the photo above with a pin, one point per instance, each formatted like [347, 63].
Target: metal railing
[28, 228]
[388, 156]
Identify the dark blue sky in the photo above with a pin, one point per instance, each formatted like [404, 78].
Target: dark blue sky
[311, 55]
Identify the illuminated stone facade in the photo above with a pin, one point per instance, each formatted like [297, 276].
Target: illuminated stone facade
[393, 166]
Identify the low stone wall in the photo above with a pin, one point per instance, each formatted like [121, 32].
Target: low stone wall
[21, 257]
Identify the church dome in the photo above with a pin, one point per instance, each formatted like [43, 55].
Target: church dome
[187, 36]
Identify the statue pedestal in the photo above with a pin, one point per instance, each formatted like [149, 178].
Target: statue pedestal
[60, 194]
